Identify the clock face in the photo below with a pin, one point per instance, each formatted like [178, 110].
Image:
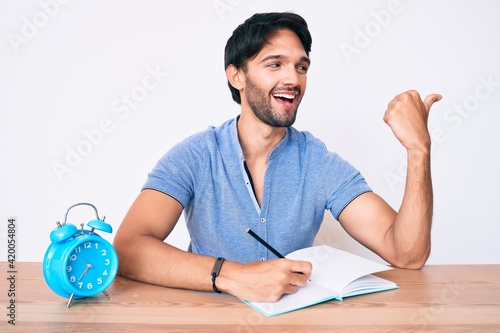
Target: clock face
[91, 266]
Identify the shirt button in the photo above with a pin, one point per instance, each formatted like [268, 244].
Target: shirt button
[262, 220]
[262, 259]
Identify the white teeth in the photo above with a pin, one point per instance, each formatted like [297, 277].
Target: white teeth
[284, 96]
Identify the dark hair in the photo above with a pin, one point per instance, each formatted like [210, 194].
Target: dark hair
[250, 36]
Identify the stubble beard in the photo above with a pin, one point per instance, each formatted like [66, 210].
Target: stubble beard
[260, 103]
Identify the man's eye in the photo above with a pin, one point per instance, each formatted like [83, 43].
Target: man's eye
[274, 65]
[302, 69]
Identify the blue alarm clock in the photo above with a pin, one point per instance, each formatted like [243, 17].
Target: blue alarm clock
[79, 263]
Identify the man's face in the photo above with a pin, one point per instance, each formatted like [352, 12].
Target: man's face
[275, 79]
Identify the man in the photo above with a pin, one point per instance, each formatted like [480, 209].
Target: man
[256, 171]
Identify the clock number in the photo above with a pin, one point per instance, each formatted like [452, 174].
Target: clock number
[87, 245]
[78, 249]
[69, 269]
[80, 284]
[96, 246]
[105, 273]
[104, 253]
[72, 278]
[73, 257]
[89, 285]
[99, 281]
[107, 262]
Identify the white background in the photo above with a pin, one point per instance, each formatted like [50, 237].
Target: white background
[67, 67]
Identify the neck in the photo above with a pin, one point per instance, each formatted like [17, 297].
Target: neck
[256, 138]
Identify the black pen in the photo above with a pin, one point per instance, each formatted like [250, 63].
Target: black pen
[269, 247]
[263, 242]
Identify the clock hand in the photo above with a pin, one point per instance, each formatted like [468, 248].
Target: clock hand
[87, 267]
[84, 273]
[86, 263]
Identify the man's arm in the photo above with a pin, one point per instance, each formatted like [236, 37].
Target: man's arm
[404, 238]
[144, 256]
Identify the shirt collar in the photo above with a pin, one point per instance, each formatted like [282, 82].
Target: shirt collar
[236, 142]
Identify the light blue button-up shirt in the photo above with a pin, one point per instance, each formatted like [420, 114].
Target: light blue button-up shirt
[206, 174]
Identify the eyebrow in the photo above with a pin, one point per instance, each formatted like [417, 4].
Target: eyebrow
[280, 56]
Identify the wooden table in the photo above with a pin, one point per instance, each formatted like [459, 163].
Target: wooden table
[437, 298]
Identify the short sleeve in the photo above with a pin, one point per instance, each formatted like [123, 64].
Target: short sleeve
[176, 173]
[343, 183]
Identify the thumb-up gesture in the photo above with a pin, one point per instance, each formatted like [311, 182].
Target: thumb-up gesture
[407, 117]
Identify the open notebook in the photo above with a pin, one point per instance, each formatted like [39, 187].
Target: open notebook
[336, 274]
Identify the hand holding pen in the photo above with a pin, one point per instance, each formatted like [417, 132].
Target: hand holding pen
[263, 281]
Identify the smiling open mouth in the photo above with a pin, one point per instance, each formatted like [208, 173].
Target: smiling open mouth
[285, 99]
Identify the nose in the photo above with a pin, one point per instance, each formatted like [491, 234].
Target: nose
[291, 77]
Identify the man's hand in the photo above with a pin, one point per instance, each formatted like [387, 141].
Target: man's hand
[146, 257]
[263, 281]
[407, 117]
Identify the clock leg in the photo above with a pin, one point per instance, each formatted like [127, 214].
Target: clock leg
[106, 293]
[70, 301]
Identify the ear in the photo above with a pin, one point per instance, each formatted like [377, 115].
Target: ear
[235, 76]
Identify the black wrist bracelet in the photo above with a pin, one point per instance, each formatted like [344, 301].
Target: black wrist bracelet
[216, 271]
